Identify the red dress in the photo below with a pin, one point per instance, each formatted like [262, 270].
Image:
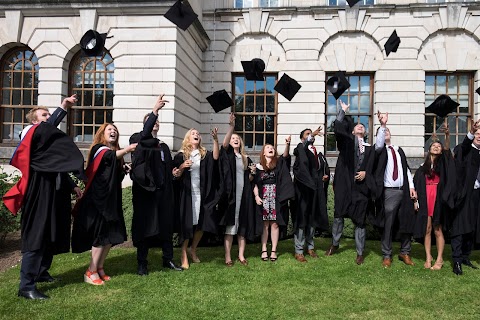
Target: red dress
[431, 185]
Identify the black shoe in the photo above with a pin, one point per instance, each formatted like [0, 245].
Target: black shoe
[47, 278]
[457, 268]
[171, 265]
[469, 263]
[142, 269]
[33, 294]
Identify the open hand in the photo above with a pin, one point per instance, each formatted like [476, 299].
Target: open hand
[70, 101]
[214, 134]
[344, 106]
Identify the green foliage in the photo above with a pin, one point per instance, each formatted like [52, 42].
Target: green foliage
[8, 222]
[127, 209]
[324, 288]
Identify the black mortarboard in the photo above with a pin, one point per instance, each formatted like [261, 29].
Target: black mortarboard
[442, 105]
[351, 3]
[478, 90]
[338, 84]
[181, 15]
[254, 69]
[220, 100]
[392, 43]
[287, 87]
[92, 43]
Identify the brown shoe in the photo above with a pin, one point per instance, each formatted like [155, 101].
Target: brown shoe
[359, 260]
[387, 262]
[243, 262]
[331, 250]
[406, 259]
[312, 253]
[300, 257]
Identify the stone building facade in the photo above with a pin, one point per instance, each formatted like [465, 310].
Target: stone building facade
[307, 39]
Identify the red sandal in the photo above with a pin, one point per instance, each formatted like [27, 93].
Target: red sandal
[102, 275]
[87, 277]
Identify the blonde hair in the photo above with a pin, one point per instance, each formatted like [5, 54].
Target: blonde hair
[241, 150]
[187, 146]
[32, 113]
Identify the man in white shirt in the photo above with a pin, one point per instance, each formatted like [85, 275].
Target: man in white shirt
[395, 190]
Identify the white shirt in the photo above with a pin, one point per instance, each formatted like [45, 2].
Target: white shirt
[388, 176]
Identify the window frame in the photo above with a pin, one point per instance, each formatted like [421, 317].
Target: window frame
[72, 90]
[469, 115]
[24, 108]
[370, 132]
[254, 112]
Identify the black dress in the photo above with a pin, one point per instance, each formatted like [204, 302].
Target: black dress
[99, 220]
[209, 197]
[275, 188]
[250, 224]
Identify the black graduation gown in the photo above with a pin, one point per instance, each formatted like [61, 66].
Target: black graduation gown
[46, 209]
[284, 190]
[406, 214]
[99, 220]
[152, 189]
[310, 196]
[352, 198]
[250, 223]
[210, 195]
[444, 202]
[465, 218]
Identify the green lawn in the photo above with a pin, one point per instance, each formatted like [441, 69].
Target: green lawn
[325, 288]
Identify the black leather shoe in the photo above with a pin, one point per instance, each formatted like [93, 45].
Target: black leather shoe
[171, 265]
[457, 268]
[33, 294]
[47, 278]
[142, 270]
[469, 263]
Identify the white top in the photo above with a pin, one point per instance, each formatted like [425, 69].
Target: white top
[195, 183]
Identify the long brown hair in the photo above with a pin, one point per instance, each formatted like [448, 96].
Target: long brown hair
[263, 159]
[242, 152]
[100, 138]
[431, 167]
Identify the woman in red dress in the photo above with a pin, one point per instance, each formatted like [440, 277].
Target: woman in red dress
[435, 198]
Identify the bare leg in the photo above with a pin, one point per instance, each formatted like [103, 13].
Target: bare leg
[266, 225]
[440, 246]
[275, 234]
[197, 236]
[94, 262]
[184, 257]
[428, 244]
[241, 248]
[228, 247]
[105, 251]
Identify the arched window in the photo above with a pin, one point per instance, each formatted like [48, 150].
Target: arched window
[19, 83]
[91, 78]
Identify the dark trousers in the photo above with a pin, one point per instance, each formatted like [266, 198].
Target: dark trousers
[461, 247]
[142, 251]
[35, 264]
[393, 200]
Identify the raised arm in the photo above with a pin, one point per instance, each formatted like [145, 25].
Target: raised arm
[380, 141]
[226, 140]
[61, 111]
[215, 151]
[446, 131]
[286, 152]
[152, 118]
[122, 152]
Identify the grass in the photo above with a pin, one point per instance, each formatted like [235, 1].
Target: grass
[325, 288]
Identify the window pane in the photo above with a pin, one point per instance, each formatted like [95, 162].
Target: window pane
[259, 123]
[270, 84]
[259, 105]
[99, 98]
[260, 86]
[250, 86]
[238, 123]
[7, 79]
[354, 85]
[249, 123]
[270, 121]
[270, 104]
[99, 117]
[464, 84]
[27, 97]
[7, 114]
[17, 79]
[248, 140]
[365, 84]
[87, 98]
[452, 85]
[430, 85]
[441, 85]
[249, 104]
[16, 97]
[270, 138]
[239, 104]
[109, 99]
[6, 97]
[259, 141]
[365, 104]
[239, 85]
[17, 115]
